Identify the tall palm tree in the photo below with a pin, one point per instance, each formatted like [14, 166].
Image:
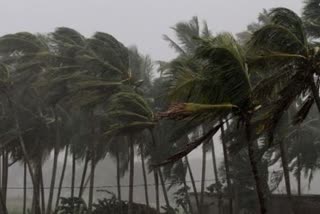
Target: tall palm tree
[224, 63]
[26, 55]
[290, 70]
[103, 62]
[185, 46]
[132, 115]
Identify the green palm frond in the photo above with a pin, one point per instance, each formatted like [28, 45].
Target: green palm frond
[68, 36]
[132, 101]
[20, 42]
[128, 129]
[186, 110]
[311, 17]
[173, 45]
[289, 20]
[225, 63]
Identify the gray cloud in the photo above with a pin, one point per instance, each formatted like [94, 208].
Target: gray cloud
[139, 22]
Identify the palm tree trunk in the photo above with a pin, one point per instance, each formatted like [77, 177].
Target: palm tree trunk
[5, 168]
[164, 189]
[227, 168]
[144, 173]
[284, 160]
[55, 163]
[216, 176]
[53, 180]
[214, 163]
[131, 177]
[73, 174]
[156, 182]
[36, 208]
[43, 206]
[119, 181]
[66, 153]
[255, 170]
[156, 175]
[203, 176]
[299, 175]
[187, 195]
[3, 206]
[24, 188]
[193, 183]
[92, 173]
[25, 153]
[21, 140]
[84, 173]
[315, 93]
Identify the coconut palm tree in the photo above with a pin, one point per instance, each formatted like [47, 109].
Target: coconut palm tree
[132, 115]
[226, 74]
[185, 46]
[285, 47]
[292, 65]
[97, 68]
[27, 56]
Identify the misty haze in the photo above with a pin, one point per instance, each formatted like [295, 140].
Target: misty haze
[149, 107]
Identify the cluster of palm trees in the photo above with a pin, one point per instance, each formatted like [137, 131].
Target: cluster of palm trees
[94, 97]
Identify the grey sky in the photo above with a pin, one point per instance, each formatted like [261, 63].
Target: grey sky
[139, 22]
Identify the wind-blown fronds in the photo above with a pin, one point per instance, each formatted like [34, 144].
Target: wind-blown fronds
[311, 17]
[190, 147]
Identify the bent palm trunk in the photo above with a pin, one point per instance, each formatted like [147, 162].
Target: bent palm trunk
[3, 206]
[43, 205]
[156, 181]
[193, 184]
[84, 173]
[255, 170]
[227, 169]
[62, 175]
[24, 188]
[164, 189]
[92, 173]
[131, 177]
[5, 169]
[119, 181]
[53, 180]
[144, 173]
[216, 176]
[203, 176]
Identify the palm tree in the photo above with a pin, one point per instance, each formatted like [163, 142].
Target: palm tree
[26, 56]
[293, 65]
[284, 46]
[104, 62]
[224, 63]
[118, 149]
[132, 115]
[185, 46]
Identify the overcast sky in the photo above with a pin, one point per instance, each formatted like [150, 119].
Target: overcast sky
[133, 22]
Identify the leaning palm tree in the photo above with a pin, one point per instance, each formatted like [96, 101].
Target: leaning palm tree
[98, 66]
[185, 46]
[286, 54]
[131, 115]
[223, 87]
[26, 56]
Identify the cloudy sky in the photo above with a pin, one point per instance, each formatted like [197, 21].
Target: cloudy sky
[139, 22]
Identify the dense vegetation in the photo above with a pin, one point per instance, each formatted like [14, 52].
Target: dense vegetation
[89, 98]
